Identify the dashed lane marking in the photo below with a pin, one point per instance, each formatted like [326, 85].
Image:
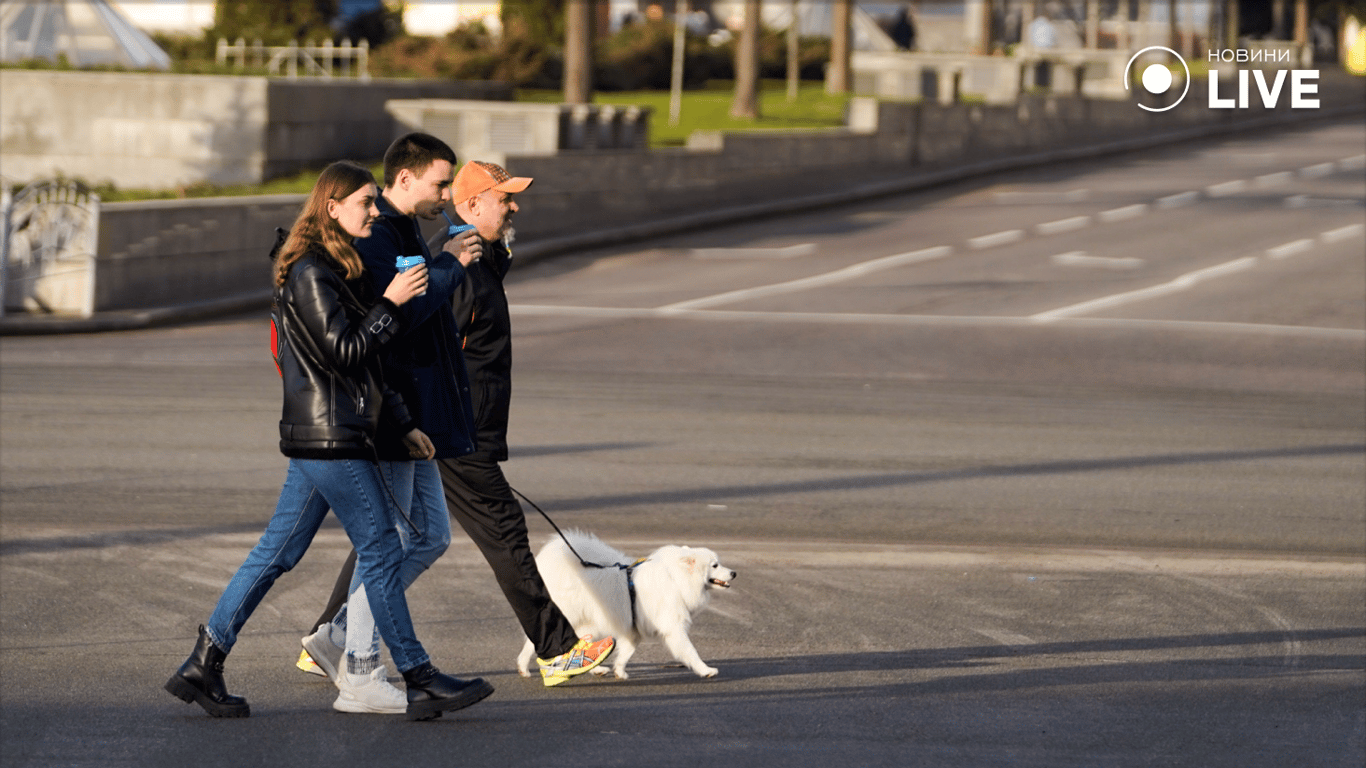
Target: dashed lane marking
[1289, 249]
[1063, 225]
[1081, 259]
[815, 281]
[999, 238]
[1181, 283]
[1125, 213]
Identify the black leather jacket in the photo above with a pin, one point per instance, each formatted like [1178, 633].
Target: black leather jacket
[334, 391]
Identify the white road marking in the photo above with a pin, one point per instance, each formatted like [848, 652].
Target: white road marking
[999, 238]
[1005, 638]
[1315, 171]
[1343, 233]
[839, 318]
[1179, 284]
[1063, 225]
[1173, 201]
[1227, 188]
[788, 252]
[1127, 212]
[1289, 249]
[1305, 201]
[816, 281]
[1081, 259]
[1273, 179]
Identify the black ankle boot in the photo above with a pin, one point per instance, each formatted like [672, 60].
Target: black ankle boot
[430, 693]
[200, 680]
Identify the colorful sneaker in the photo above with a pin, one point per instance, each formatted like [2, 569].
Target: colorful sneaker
[326, 654]
[305, 663]
[584, 656]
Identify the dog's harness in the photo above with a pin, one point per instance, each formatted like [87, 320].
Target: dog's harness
[631, 588]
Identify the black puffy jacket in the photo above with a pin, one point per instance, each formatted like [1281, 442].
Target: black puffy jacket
[334, 393]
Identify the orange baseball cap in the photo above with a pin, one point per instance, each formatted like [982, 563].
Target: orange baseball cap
[476, 177]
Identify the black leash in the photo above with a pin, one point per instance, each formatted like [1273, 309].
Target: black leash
[628, 569]
[582, 562]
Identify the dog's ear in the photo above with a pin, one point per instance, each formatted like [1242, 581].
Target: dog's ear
[691, 562]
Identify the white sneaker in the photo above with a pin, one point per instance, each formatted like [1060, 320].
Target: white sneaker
[325, 653]
[370, 693]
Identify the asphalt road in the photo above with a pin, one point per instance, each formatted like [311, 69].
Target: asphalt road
[1062, 468]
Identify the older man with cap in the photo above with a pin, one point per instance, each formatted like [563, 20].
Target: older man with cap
[477, 494]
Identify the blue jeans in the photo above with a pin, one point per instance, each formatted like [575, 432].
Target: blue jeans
[418, 490]
[352, 489]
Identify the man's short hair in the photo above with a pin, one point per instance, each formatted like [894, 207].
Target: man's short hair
[414, 152]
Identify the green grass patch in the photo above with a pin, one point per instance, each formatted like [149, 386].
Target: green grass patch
[708, 109]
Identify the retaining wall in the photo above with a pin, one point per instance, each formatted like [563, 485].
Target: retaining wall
[159, 253]
[156, 131]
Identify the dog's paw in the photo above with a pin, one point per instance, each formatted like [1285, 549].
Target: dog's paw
[621, 674]
[708, 672]
[599, 671]
[523, 673]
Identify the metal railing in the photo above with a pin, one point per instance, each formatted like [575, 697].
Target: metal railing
[293, 61]
[49, 232]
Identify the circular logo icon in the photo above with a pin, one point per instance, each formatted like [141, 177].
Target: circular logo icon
[1156, 78]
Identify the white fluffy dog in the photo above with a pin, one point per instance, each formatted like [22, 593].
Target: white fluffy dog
[671, 586]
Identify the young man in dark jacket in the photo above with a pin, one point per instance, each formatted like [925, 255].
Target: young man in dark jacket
[425, 367]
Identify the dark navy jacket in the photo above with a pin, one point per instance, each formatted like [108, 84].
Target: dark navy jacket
[423, 364]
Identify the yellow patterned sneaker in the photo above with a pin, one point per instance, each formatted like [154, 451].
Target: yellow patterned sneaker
[305, 663]
[584, 656]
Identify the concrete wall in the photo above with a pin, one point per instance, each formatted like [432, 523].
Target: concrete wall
[159, 253]
[493, 131]
[142, 130]
[137, 130]
[949, 77]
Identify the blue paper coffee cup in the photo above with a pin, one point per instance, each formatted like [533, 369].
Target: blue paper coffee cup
[404, 263]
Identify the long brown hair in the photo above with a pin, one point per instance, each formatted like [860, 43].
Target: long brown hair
[315, 227]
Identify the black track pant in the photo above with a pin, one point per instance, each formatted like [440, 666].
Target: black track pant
[481, 501]
[339, 594]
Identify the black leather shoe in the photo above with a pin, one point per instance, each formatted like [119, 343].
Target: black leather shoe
[430, 693]
[200, 680]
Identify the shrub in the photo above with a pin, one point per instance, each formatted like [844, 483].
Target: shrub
[640, 56]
